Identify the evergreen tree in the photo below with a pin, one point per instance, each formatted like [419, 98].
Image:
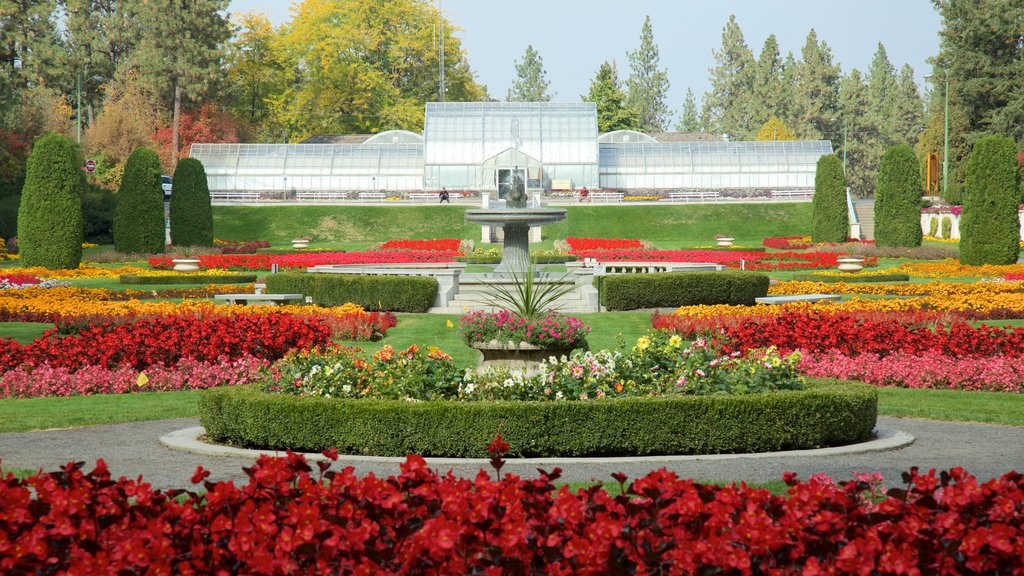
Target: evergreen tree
[50, 215]
[139, 214]
[855, 118]
[932, 140]
[729, 104]
[815, 112]
[689, 121]
[898, 199]
[787, 106]
[530, 84]
[875, 131]
[767, 87]
[605, 92]
[191, 214]
[989, 227]
[830, 221]
[647, 84]
[179, 53]
[907, 121]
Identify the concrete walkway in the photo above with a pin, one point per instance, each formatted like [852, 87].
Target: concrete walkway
[134, 449]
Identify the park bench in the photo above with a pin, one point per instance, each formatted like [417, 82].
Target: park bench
[234, 195]
[603, 196]
[693, 196]
[798, 298]
[317, 196]
[372, 196]
[271, 299]
[432, 196]
[792, 194]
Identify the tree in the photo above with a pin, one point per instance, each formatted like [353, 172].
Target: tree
[989, 227]
[203, 125]
[774, 129]
[830, 221]
[30, 52]
[856, 150]
[647, 85]
[50, 215]
[689, 120]
[179, 53]
[907, 120]
[191, 214]
[127, 122]
[898, 199]
[530, 84]
[816, 94]
[352, 67]
[768, 93]
[254, 66]
[139, 215]
[608, 96]
[932, 140]
[728, 106]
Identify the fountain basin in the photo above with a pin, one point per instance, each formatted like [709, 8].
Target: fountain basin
[527, 216]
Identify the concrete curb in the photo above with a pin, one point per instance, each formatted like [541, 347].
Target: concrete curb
[188, 440]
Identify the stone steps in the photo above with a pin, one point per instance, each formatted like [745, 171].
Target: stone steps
[865, 210]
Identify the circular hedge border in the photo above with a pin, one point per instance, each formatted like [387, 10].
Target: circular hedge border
[825, 413]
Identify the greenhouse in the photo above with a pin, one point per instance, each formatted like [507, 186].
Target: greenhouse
[480, 145]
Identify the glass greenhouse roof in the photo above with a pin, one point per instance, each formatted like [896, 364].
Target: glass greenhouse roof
[714, 156]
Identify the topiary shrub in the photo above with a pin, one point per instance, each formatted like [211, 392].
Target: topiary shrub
[898, 199]
[98, 206]
[989, 226]
[394, 293]
[9, 215]
[139, 213]
[947, 227]
[830, 220]
[50, 215]
[674, 289]
[191, 214]
[933, 227]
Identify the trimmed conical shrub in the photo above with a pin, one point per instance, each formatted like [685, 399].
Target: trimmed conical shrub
[191, 214]
[830, 221]
[50, 215]
[139, 214]
[898, 199]
[989, 227]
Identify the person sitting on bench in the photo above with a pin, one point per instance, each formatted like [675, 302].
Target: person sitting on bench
[444, 196]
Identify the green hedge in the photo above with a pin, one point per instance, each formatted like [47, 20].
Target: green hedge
[188, 279]
[830, 219]
[139, 213]
[850, 278]
[9, 216]
[395, 293]
[190, 211]
[989, 228]
[674, 289]
[50, 213]
[826, 413]
[898, 199]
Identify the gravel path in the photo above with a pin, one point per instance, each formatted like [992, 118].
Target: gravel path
[134, 449]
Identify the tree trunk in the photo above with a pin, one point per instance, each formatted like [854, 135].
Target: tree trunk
[174, 137]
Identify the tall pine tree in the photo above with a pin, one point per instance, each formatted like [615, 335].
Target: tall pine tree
[605, 92]
[530, 84]
[728, 106]
[859, 129]
[689, 121]
[768, 99]
[816, 96]
[647, 84]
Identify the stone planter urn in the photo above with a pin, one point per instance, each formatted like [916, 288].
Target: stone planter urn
[724, 241]
[186, 264]
[300, 243]
[516, 356]
[850, 264]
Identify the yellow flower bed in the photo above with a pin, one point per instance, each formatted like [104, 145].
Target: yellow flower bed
[641, 198]
[950, 268]
[934, 288]
[84, 271]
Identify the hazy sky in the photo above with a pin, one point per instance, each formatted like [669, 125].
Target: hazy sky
[574, 36]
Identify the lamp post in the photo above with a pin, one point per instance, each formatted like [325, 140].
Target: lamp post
[945, 133]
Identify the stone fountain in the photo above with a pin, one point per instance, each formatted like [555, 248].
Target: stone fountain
[515, 219]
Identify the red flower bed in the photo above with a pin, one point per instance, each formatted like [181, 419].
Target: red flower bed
[787, 242]
[166, 340]
[751, 260]
[306, 259]
[289, 520]
[15, 279]
[693, 326]
[850, 335]
[434, 244]
[367, 326]
[585, 244]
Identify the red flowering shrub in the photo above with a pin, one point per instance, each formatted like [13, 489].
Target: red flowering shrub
[434, 244]
[306, 259]
[367, 326]
[751, 260]
[166, 340]
[288, 520]
[244, 247]
[788, 242]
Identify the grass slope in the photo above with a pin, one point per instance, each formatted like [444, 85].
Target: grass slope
[668, 226]
[23, 332]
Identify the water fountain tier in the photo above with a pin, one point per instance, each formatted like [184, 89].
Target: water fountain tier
[516, 223]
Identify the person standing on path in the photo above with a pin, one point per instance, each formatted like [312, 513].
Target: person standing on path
[444, 196]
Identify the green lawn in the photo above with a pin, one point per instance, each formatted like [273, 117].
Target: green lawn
[21, 414]
[953, 405]
[23, 332]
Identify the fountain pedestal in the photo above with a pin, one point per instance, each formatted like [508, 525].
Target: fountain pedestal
[515, 223]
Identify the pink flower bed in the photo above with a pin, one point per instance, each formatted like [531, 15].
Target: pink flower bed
[307, 259]
[928, 369]
[752, 260]
[188, 374]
